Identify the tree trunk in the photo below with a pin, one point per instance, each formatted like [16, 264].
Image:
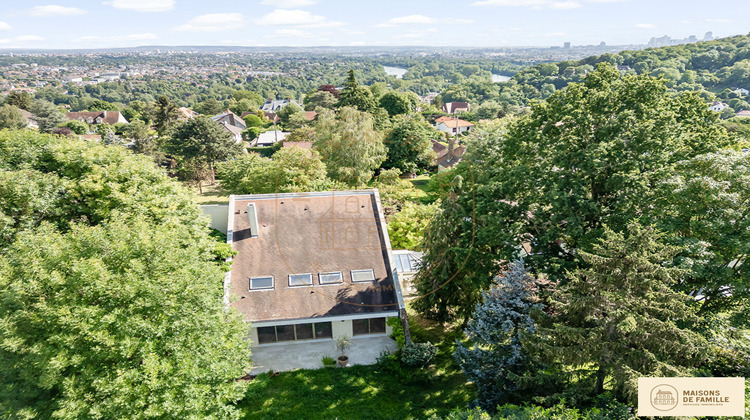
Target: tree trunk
[200, 187]
[405, 324]
[601, 374]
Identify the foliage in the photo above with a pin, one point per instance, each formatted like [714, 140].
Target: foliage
[47, 115]
[356, 96]
[349, 145]
[397, 103]
[397, 329]
[619, 320]
[328, 361]
[78, 127]
[120, 320]
[201, 141]
[343, 343]
[19, 99]
[288, 111]
[418, 354]
[409, 146]
[496, 359]
[165, 116]
[11, 117]
[320, 99]
[253, 120]
[406, 228]
[291, 169]
[612, 411]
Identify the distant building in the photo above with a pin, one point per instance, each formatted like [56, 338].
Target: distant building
[275, 105]
[454, 107]
[186, 113]
[709, 36]
[718, 106]
[447, 156]
[234, 130]
[743, 113]
[230, 118]
[453, 125]
[566, 45]
[269, 138]
[97, 117]
[29, 117]
[742, 91]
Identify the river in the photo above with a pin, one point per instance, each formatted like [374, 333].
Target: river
[395, 71]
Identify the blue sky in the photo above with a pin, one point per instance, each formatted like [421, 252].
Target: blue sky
[119, 23]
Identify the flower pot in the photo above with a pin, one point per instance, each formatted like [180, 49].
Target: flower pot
[343, 361]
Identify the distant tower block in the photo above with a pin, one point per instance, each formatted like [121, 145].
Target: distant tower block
[602, 44]
[566, 45]
[709, 36]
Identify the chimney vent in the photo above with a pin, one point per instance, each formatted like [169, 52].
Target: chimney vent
[253, 219]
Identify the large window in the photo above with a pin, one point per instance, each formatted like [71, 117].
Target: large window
[300, 280]
[295, 332]
[360, 276]
[405, 263]
[368, 326]
[261, 283]
[330, 278]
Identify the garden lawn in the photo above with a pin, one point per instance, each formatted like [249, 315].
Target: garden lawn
[363, 392]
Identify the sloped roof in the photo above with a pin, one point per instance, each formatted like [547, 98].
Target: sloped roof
[109, 117]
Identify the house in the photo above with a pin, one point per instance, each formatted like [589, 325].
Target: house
[97, 117]
[311, 267]
[454, 107]
[29, 117]
[743, 113]
[718, 106]
[235, 131]
[310, 115]
[275, 105]
[230, 118]
[269, 138]
[447, 156]
[453, 125]
[300, 144]
[185, 114]
[742, 91]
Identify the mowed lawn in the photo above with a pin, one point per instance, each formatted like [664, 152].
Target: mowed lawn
[363, 392]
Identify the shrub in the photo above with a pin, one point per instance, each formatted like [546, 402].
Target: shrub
[328, 360]
[418, 354]
[398, 331]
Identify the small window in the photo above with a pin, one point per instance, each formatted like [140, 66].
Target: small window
[260, 283]
[330, 278]
[304, 331]
[323, 330]
[266, 335]
[363, 275]
[300, 280]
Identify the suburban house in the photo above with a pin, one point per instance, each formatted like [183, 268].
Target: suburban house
[718, 106]
[234, 130]
[269, 138]
[743, 113]
[97, 117]
[185, 114]
[742, 91]
[453, 125]
[275, 105]
[454, 107]
[230, 118]
[311, 267]
[447, 156]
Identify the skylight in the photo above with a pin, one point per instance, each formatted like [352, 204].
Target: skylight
[363, 275]
[300, 280]
[260, 283]
[330, 278]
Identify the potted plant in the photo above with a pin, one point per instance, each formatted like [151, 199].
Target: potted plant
[328, 361]
[342, 344]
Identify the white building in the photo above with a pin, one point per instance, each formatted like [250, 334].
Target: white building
[718, 106]
[453, 125]
[269, 138]
[311, 267]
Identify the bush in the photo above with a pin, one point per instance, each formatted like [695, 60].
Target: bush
[328, 361]
[398, 331]
[418, 354]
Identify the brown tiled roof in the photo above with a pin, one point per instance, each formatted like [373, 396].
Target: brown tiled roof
[439, 149]
[451, 107]
[301, 144]
[455, 122]
[310, 115]
[310, 233]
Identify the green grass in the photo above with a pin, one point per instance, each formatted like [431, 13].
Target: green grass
[364, 392]
[212, 194]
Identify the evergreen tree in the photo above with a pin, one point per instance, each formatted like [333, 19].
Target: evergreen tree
[356, 96]
[47, 115]
[165, 116]
[11, 117]
[619, 319]
[496, 357]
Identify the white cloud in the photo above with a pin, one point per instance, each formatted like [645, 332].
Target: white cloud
[421, 20]
[511, 3]
[213, 22]
[131, 37]
[143, 5]
[288, 4]
[414, 34]
[290, 33]
[283, 17]
[563, 5]
[555, 34]
[645, 26]
[718, 20]
[4, 26]
[20, 39]
[55, 10]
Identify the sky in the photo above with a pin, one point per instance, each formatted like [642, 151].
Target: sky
[72, 24]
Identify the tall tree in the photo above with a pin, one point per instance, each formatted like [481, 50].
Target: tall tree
[409, 145]
[396, 103]
[47, 115]
[19, 99]
[11, 117]
[619, 319]
[323, 99]
[356, 96]
[349, 145]
[495, 358]
[165, 115]
[202, 141]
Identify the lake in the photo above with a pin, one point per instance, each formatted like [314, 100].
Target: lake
[395, 71]
[499, 78]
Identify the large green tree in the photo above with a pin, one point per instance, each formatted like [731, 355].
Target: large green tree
[201, 141]
[349, 145]
[409, 146]
[11, 117]
[165, 116]
[356, 96]
[47, 115]
[19, 99]
[397, 103]
[619, 319]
